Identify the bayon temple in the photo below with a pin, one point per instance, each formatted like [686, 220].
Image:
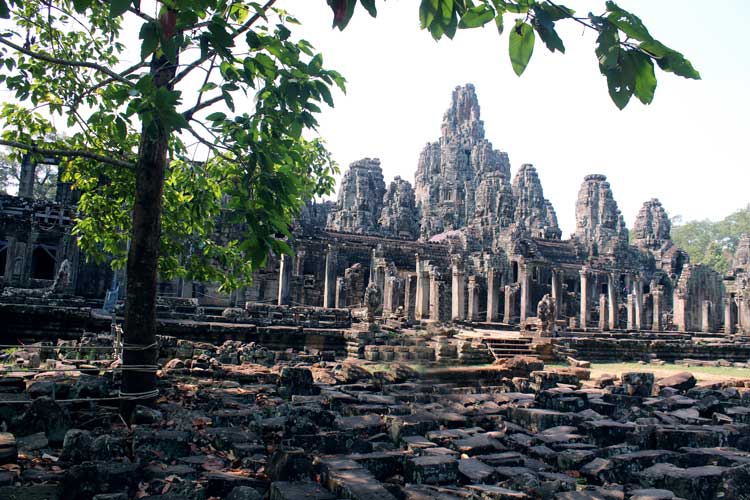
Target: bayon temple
[469, 242]
[426, 341]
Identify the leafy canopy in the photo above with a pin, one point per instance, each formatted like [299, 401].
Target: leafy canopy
[712, 243]
[243, 93]
[625, 49]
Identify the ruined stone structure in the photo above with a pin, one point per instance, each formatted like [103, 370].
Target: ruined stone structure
[466, 243]
[736, 304]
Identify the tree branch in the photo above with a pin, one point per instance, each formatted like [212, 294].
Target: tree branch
[246, 26]
[64, 62]
[76, 153]
[188, 114]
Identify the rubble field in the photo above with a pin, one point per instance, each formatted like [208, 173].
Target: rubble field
[238, 422]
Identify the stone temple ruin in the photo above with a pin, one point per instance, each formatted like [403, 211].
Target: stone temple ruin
[399, 354]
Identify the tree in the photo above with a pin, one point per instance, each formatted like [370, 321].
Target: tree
[167, 155]
[712, 243]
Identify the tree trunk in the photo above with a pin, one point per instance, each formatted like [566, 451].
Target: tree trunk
[143, 255]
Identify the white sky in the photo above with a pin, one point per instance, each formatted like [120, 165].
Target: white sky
[687, 148]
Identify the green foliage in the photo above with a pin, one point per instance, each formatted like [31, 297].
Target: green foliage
[625, 49]
[241, 163]
[712, 243]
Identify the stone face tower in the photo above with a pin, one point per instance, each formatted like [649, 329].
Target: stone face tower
[652, 227]
[533, 210]
[599, 223]
[360, 198]
[399, 217]
[451, 169]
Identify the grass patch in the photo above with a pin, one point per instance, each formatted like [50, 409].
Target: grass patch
[700, 372]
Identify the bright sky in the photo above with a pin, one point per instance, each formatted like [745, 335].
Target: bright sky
[687, 148]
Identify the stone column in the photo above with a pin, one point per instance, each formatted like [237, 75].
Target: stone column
[603, 313]
[410, 292]
[584, 273]
[422, 305]
[473, 299]
[612, 285]
[434, 294]
[706, 316]
[524, 277]
[27, 177]
[493, 294]
[639, 305]
[299, 262]
[556, 291]
[285, 277]
[329, 285]
[186, 288]
[631, 312]
[510, 300]
[657, 296]
[728, 316]
[458, 300]
[340, 293]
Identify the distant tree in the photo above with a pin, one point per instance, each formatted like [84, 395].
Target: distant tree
[45, 182]
[712, 243]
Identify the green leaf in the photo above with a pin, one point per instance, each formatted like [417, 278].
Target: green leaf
[521, 46]
[369, 5]
[80, 6]
[674, 62]
[550, 38]
[645, 79]
[426, 13]
[628, 23]
[150, 36]
[621, 81]
[608, 47]
[476, 17]
[216, 117]
[118, 7]
[557, 11]
[499, 23]
[4, 10]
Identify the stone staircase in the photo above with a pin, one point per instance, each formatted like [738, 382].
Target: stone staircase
[507, 348]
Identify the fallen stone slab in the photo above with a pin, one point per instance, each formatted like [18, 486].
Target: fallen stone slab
[282, 490]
